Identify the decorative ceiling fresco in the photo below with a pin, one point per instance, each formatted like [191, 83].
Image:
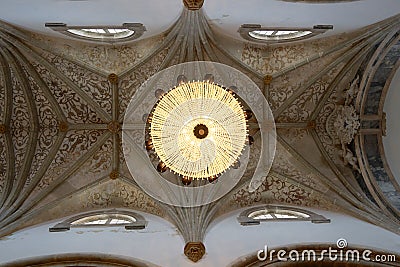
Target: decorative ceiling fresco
[62, 104]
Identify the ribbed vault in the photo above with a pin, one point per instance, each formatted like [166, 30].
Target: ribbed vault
[62, 106]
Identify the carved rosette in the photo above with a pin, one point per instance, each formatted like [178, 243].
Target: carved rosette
[194, 251]
[114, 175]
[342, 125]
[114, 126]
[63, 126]
[193, 4]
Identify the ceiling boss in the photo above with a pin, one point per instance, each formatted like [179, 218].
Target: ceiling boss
[198, 130]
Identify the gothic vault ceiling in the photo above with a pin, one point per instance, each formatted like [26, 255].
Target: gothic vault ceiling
[62, 105]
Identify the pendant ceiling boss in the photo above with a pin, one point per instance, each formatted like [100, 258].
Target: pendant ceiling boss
[198, 129]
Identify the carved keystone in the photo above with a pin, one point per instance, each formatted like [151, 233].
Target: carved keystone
[114, 126]
[113, 78]
[194, 251]
[193, 4]
[63, 126]
[114, 175]
[311, 124]
[267, 79]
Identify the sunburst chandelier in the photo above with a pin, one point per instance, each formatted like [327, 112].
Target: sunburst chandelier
[198, 130]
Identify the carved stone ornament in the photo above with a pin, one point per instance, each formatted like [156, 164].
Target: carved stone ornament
[194, 251]
[114, 175]
[351, 93]
[114, 126]
[63, 126]
[267, 79]
[311, 124]
[350, 159]
[3, 129]
[193, 4]
[113, 78]
[343, 124]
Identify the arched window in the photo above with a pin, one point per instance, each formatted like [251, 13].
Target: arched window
[110, 219]
[255, 215]
[276, 35]
[110, 34]
[114, 217]
[103, 33]
[256, 33]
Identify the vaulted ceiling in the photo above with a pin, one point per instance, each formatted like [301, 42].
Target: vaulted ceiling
[225, 16]
[62, 104]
